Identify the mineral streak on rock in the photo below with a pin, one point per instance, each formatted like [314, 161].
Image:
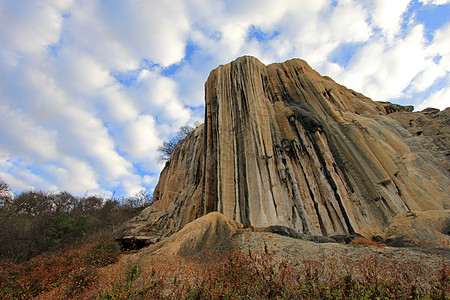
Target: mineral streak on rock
[282, 145]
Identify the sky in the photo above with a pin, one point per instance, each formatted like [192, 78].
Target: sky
[90, 88]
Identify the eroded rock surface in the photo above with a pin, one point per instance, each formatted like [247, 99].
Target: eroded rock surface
[427, 229]
[283, 145]
[200, 234]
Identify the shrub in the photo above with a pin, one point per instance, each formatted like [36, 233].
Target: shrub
[367, 242]
[81, 279]
[151, 287]
[6, 195]
[64, 228]
[74, 269]
[247, 275]
[103, 254]
[132, 273]
[36, 222]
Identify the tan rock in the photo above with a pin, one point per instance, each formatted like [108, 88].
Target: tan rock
[428, 229]
[196, 236]
[282, 145]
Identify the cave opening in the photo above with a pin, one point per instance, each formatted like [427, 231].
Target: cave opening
[132, 244]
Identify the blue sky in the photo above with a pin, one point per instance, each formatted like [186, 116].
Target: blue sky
[90, 88]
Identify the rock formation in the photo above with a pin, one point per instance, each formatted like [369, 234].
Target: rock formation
[198, 235]
[283, 145]
[428, 229]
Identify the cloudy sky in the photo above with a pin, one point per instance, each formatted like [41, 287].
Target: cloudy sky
[90, 88]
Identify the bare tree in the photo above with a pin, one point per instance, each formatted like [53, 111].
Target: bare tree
[138, 201]
[166, 149]
[6, 195]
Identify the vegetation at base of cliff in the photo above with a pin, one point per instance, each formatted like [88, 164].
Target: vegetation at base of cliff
[253, 275]
[223, 275]
[35, 222]
[367, 242]
[57, 240]
[70, 271]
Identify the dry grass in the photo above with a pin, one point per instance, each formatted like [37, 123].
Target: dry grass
[367, 242]
[75, 270]
[223, 275]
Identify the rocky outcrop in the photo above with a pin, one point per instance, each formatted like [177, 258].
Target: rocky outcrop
[177, 197]
[426, 229]
[427, 132]
[286, 231]
[201, 234]
[283, 145]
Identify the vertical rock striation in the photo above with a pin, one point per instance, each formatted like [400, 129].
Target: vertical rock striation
[282, 145]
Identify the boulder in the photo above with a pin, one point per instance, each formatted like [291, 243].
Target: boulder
[427, 229]
[203, 233]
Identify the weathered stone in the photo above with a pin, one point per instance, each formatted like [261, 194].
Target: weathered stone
[427, 229]
[176, 199]
[345, 238]
[392, 108]
[282, 145]
[200, 234]
[285, 231]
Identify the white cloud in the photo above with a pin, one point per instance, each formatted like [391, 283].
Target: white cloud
[435, 2]
[78, 131]
[307, 29]
[120, 34]
[190, 79]
[383, 70]
[440, 100]
[73, 174]
[79, 74]
[51, 127]
[133, 185]
[117, 107]
[21, 136]
[158, 95]
[61, 5]
[140, 138]
[387, 14]
[19, 177]
[28, 26]
[64, 114]
[348, 23]
[148, 180]
[440, 46]
[427, 77]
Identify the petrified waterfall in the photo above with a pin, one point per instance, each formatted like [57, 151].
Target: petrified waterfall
[282, 145]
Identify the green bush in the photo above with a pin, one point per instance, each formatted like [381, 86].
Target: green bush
[152, 288]
[64, 228]
[132, 273]
[35, 222]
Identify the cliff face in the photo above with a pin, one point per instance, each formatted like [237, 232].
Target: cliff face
[282, 145]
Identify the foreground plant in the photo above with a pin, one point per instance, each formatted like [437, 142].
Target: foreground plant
[72, 271]
[224, 275]
[262, 275]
